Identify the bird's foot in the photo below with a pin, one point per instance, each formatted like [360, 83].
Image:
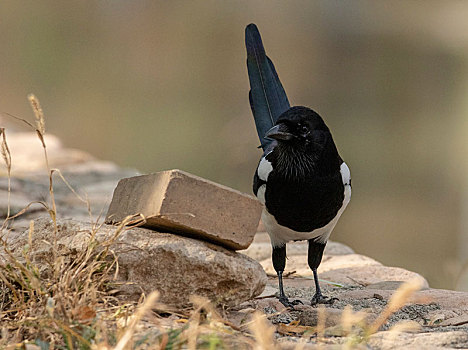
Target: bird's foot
[322, 299]
[289, 303]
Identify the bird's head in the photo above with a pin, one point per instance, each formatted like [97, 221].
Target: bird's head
[300, 127]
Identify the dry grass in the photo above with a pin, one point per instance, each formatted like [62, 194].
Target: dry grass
[70, 304]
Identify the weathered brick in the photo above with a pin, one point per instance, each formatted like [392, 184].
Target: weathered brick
[179, 202]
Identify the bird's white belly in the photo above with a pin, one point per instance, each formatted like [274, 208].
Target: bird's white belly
[280, 235]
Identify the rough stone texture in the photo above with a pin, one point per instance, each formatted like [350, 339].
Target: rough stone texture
[430, 341]
[441, 314]
[299, 264]
[176, 201]
[260, 249]
[175, 266]
[350, 270]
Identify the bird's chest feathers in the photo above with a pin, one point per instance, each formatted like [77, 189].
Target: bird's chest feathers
[303, 194]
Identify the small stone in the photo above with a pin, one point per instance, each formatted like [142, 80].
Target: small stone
[378, 296]
[182, 203]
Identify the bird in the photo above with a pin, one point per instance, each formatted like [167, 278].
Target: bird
[301, 180]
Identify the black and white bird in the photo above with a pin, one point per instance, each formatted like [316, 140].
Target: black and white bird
[301, 179]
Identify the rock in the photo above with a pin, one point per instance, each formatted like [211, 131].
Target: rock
[260, 249]
[183, 203]
[455, 321]
[17, 202]
[309, 315]
[268, 291]
[370, 274]
[28, 154]
[385, 285]
[348, 270]
[175, 266]
[20, 198]
[336, 248]
[430, 341]
[299, 263]
[448, 299]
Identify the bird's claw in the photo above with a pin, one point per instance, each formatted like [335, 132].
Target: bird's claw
[289, 303]
[321, 299]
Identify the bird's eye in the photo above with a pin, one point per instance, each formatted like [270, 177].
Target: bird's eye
[304, 129]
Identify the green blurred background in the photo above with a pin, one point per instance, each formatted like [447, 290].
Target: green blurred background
[155, 85]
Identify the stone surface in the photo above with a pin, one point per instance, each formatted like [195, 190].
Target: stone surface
[28, 154]
[260, 249]
[350, 270]
[430, 341]
[175, 266]
[176, 201]
[299, 263]
[440, 314]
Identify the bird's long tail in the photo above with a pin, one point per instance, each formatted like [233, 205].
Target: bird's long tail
[267, 97]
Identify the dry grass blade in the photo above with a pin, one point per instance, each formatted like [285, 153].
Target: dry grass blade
[6, 155]
[57, 298]
[19, 119]
[194, 325]
[70, 186]
[22, 211]
[405, 326]
[60, 302]
[263, 332]
[38, 113]
[147, 305]
[40, 131]
[321, 320]
[397, 301]
[349, 318]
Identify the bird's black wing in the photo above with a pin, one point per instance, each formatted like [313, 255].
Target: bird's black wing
[267, 97]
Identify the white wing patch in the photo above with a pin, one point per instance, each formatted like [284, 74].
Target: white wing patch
[264, 169]
[345, 174]
[261, 194]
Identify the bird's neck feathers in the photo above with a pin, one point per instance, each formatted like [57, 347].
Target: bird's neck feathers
[295, 162]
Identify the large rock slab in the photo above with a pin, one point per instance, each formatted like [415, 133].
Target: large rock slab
[348, 269]
[260, 249]
[175, 266]
[429, 341]
[176, 201]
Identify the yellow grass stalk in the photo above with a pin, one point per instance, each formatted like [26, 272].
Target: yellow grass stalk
[263, 332]
[397, 301]
[142, 310]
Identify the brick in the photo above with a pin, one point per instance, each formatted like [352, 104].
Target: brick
[179, 202]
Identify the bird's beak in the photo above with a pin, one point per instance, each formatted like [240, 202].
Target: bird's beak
[279, 132]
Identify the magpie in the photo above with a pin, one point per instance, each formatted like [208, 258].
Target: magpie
[300, 179]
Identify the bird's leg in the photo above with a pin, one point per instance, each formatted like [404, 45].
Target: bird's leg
[314, 258]
[279, 262]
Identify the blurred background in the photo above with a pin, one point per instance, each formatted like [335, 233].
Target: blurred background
[155, 85]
